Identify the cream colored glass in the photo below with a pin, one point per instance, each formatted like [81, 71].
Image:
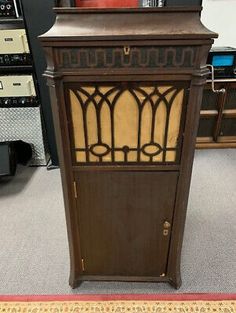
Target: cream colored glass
[127, 110]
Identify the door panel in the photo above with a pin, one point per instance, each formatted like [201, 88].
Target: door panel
[121, 217]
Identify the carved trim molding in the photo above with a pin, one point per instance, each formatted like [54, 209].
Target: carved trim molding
[116, 58]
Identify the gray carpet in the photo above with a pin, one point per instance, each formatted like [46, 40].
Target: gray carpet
[33, 242]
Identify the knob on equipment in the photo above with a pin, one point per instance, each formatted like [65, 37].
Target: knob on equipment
[9, 8]
[7, 102]
[22, 101]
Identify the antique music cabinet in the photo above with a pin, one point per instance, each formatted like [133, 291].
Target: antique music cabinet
[126, 88]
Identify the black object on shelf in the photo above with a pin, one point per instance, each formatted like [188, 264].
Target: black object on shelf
[8, 159]
[64, 3]
[13, 153]
[23, 152]
[170, 3]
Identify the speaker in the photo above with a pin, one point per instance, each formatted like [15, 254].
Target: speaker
[39, 17]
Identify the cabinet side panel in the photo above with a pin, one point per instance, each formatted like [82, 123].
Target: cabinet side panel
[62, 138]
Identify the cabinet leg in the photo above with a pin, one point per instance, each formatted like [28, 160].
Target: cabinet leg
[74, 282]
[176, 282]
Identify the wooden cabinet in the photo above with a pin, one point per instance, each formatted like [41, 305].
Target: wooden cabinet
[126, 88]
[217, 126]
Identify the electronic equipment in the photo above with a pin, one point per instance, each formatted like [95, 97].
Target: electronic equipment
[10, 9]
[17, 91]
[20, 99]
[14, 48]
[8, 159]
[223, 59]
[153, 3]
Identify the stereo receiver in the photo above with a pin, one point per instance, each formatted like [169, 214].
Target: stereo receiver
[223, 59]
[14, 48]
[10, 9]
[17, 91]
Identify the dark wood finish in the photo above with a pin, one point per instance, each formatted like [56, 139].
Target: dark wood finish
[217, 126]
[115, 227]
[125, 217]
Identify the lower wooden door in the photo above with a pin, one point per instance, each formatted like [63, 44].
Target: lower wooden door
[125, 221]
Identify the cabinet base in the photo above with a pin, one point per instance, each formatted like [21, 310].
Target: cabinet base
[176, 283]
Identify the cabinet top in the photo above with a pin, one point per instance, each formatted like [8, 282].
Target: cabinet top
[74, 24]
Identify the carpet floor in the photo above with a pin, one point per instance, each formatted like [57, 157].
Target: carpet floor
[33, 241]
[194, 303]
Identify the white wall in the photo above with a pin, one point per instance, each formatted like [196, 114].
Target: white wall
[220, 16]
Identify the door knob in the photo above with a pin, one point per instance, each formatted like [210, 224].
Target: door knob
[166, 228]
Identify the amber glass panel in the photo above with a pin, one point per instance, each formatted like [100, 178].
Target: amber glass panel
[129, 123]
[126, 124]
[78, 125]
[174, 126]
[106, 128]
[146, 131]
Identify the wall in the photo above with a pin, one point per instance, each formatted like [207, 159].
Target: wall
[220, 16]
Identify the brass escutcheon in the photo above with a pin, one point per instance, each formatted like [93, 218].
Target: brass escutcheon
[126, 50]
[166, 227]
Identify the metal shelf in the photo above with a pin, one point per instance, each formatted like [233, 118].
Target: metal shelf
[223, 80]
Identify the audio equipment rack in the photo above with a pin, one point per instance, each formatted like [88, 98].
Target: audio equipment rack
[20, 102]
